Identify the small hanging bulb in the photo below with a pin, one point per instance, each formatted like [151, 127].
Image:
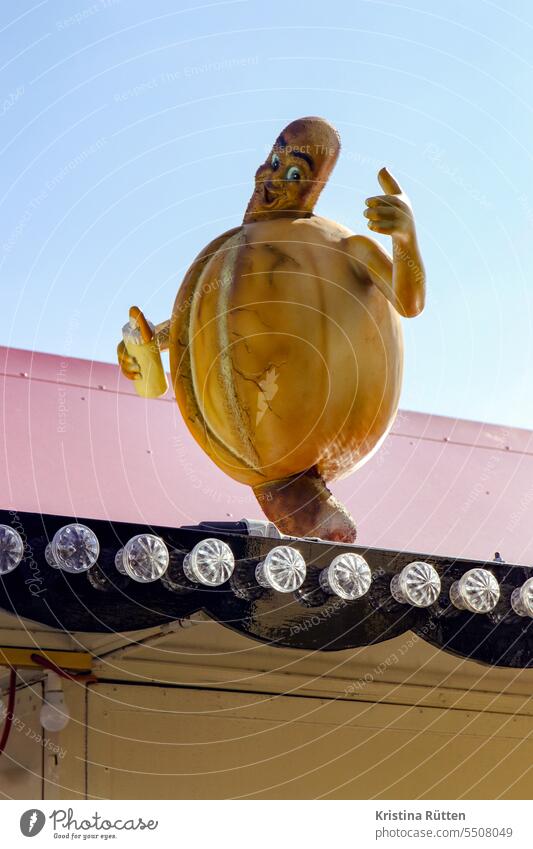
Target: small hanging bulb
[54, 714]
[11, 549]
[283, 569]
[477, 591]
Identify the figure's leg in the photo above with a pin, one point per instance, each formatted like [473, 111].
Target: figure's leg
[302, 506]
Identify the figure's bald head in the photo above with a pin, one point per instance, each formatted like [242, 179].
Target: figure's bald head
[296, 170]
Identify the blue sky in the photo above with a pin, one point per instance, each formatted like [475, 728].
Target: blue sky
[130, 133]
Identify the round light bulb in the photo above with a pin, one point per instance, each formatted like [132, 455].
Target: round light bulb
[477, 591]
[211, 562]
[75, 548]
[54, 714]
[145, 558]
[417, 584]
[347, 576]
[119, 562]
[283, 569]
[522, 599]
[11, 549]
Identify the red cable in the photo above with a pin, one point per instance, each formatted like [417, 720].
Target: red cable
[10, 710]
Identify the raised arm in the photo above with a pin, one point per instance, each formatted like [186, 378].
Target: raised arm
[162, 334]
[401, 278]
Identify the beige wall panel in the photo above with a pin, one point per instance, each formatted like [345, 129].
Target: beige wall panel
[402, 670]
[149, 742]
[21, 765]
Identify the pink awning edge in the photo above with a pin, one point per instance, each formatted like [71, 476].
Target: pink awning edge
[75, 439]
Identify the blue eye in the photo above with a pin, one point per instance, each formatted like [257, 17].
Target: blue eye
[293, 173]
[274, 162]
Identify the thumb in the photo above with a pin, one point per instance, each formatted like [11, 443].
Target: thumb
[145, 330]
[388, 183]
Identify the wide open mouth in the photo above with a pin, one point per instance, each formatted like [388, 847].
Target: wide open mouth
[270, 196]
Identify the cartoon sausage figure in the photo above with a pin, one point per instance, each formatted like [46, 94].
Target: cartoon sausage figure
[285, 341]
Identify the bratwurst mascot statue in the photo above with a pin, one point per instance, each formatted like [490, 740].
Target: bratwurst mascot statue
[285, 340]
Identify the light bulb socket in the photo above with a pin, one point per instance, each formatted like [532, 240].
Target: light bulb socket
[174, 580]
[52, 683]
[104, 577]
[243, 582]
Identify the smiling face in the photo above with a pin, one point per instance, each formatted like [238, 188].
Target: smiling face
[295, 171]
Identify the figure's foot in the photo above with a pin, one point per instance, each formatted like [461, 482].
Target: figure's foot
[303, 506]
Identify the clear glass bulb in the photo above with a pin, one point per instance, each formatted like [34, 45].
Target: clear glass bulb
[11, 549]
[75, 548]
[54, 714]
[283, 569]
[211, 562]
[417, 584]
[477, 591]
[522, 599]
[119, 562]
[145, 558]
[347, 576]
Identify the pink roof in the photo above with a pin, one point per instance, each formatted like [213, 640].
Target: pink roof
[76, 439]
